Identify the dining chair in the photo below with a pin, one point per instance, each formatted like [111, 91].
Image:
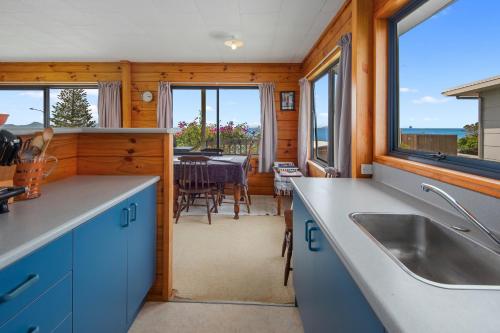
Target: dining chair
[193, 183]
[288, 243]
[245, 197]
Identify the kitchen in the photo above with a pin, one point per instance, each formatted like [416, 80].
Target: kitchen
[393, 226]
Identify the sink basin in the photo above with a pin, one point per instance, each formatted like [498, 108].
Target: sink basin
[432, 252]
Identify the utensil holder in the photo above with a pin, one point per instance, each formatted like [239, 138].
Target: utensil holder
[30, 174]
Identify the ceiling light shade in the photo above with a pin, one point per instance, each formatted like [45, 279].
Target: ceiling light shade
[233, 43]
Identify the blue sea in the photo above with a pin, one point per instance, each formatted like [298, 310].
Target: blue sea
[459, 132]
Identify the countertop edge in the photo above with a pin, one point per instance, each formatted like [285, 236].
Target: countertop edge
[42, 240]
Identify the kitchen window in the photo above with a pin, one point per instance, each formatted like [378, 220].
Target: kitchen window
[444, 88]
[226, 118]
[323, 97]
[56, 106]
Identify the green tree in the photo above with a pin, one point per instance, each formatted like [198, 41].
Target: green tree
[469, 143]
[72, 109]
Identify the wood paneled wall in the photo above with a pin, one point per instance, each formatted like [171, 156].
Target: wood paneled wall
[139, 77]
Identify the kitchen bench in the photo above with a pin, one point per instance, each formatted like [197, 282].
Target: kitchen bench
[90, 268]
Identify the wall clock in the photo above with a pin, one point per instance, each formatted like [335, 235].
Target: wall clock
[147, 96]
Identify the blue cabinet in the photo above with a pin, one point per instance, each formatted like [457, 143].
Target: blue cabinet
[100, 272]
[141, 249]
[114, 265]
[328, 298]
[92, 279]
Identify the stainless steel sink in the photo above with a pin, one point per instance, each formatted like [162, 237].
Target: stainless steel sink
[432, 252]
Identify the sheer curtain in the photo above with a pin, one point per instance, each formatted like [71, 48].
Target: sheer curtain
[164, 107]
[109, 107]
[303, 132]
[342, 114]
[268, 128]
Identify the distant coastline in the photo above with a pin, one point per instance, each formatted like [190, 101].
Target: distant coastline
[459, 132]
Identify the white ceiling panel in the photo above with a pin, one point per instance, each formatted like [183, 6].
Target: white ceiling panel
[161, 30]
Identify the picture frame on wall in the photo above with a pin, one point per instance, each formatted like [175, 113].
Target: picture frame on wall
[287, 100]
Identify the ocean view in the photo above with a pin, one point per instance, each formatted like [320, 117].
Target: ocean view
[459, 132]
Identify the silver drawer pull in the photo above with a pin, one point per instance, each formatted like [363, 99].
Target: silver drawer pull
[31, 280]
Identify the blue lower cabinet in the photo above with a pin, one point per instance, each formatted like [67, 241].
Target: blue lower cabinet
[28, 278]
[114, 265]
[141, 264]
[328, 298]
[100, 273]
[46, 313]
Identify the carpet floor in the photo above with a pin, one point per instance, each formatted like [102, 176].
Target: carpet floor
[216, 318]
[230, 260]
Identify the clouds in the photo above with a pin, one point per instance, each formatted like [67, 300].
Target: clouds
[33, 94]
[430, 100]
[408, 90]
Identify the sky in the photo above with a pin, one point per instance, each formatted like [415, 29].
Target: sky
[17, 104]
[237, 105]
[458, 45]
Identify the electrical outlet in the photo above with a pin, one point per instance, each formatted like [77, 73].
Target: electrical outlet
[366, 169]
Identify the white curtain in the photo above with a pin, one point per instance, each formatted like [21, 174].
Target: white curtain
[164, 107]
[342, 115]
[109, 107]
[304, 127]
[268, 128]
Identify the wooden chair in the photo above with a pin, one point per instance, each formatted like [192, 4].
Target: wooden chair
[193, 183]
[288, 243]
[331, 172]
[245, 197]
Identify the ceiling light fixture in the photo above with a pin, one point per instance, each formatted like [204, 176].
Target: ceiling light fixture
[233, 43]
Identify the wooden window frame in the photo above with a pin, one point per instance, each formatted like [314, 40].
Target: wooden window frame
[481, 184]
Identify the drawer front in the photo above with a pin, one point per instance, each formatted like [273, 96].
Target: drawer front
[25, 280]
[47, 313]
[66, 326]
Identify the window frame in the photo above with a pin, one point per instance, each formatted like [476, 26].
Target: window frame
[46, 95]
[217, 89]
[329, 71]
[490, 169]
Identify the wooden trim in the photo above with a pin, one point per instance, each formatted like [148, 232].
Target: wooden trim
[126, 73]
[168, 213]
[362, 74]
[479, 184]
[380, 88]
[333, 56]
[389, 8]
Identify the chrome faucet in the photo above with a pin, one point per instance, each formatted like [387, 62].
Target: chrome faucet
[454, 203]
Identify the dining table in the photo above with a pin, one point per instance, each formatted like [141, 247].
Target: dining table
[222, 170]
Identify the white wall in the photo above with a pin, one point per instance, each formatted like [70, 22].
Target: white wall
[484, 207]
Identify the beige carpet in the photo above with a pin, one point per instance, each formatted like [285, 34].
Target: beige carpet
[216, 318]
[261, 205]
[230, 260]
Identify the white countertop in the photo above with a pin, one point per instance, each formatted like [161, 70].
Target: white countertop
[402, 303]
[63, 206]
[63, 130]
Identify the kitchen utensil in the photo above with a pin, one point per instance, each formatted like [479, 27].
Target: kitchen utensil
[30, 173]
[9, 147]
[47, 135]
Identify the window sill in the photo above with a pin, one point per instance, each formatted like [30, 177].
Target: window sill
[475, 183]
[315, 168]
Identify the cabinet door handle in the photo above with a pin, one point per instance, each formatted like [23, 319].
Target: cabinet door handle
[307, 229]
[311, 240]
[126, 214]
[133, 207]
[34, 329]
[23, 286]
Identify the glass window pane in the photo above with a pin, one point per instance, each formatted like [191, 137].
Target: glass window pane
[187, 109]
[320, 131]
[24, 107]
[449, 93]
[73, 107]
[239, 120]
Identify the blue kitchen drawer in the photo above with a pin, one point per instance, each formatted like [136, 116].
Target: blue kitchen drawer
[26, 279]
[66, 326]
[46, 313]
